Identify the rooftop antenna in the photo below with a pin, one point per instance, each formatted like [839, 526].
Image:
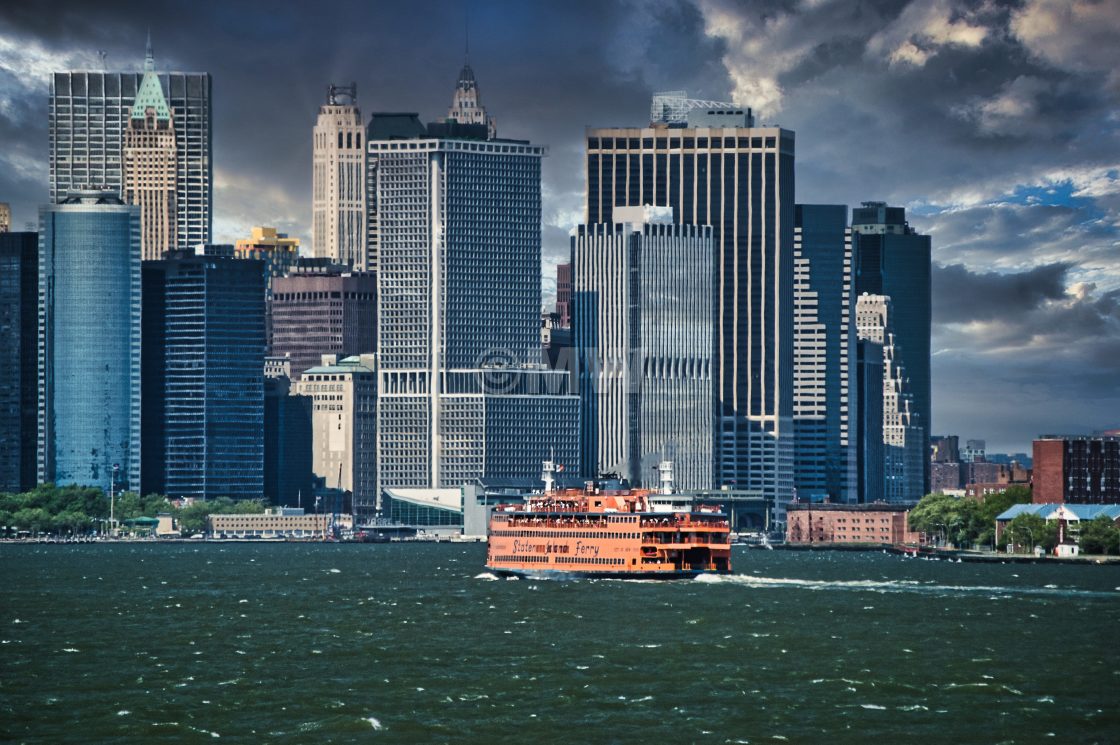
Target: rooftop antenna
[467, 30]
[149, 58]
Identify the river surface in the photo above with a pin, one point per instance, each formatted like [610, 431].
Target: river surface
[416, 643]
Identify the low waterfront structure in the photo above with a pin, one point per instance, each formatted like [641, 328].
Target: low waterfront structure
[877, 523]
[280, 522]
[1068, 516]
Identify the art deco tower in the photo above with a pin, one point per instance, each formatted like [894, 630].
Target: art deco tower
[150, 164]
[339, 180]
[465, 106]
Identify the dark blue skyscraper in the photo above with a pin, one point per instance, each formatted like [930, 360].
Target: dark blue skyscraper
[19, 328]
[204, 376]
[89, 341]
[893, 259]
[824, 353]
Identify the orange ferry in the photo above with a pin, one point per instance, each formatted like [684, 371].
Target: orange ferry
[607, 529]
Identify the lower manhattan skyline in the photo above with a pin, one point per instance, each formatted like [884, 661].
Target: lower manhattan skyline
[993, 124]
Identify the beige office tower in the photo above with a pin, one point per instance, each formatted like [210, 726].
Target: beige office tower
[150, 164]
[465, 106]
[5, 217]
[338, 230]
[344, 426]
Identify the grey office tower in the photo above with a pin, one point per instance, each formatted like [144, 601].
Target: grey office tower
[89, 112]
[203, 376]
[462, 394]
[893, 259]
[824, 338]
[721, 170]
[89, 342]
[643, 304]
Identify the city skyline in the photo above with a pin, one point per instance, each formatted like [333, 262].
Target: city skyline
[991, 125]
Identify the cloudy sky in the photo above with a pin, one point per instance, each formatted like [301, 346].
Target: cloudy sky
[997, 124]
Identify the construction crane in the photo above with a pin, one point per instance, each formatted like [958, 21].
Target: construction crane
[672, 107]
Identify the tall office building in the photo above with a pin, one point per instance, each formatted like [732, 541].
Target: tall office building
[89, 342]
[338, 228]
[203, 361]
[466, 108]
[288, 441]
[276, 250]
[973, 451]
[89, 115]
[149, 164]
[564, 294]
[892, 259]
[905, 462]
[315, 314]
[644, 298]
[721, 170]
[343, 393]
[5, 217]
[19, 331]
[870, 454]
[823, 355]
[461, 391]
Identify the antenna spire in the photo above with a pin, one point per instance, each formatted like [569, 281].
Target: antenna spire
[467, 30]
[149, 58]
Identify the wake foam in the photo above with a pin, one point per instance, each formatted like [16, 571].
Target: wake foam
[891, 586]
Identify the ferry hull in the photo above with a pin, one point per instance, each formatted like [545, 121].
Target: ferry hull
[568, 574]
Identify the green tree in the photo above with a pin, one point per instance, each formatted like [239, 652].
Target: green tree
[1027, 530]
[1099, 536]
[994, 505]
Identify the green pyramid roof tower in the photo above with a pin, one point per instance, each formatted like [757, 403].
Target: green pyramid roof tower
[150, 95]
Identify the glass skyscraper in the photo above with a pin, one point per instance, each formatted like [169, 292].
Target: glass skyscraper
[89, 342]
[19, 328]
[204, 346]
[89, 112]
[892, 259]
[461, 391]
[721, 170]
[824, 338]
[643, 307]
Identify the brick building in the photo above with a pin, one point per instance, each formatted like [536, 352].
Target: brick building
[1077, 469]
[876, 523]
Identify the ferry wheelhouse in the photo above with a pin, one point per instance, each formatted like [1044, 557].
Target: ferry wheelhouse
[607, 529]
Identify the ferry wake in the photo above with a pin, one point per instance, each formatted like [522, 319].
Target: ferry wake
[608, 529]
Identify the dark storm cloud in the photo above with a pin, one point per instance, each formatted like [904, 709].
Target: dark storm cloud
[995, 122]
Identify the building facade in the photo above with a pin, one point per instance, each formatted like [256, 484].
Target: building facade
[824, 358]
[89, 342]
[644, 303]
[462, 393]
[338, 228]
[892, 259]
[721, 170]
[288, 442]
[905, 462]
[90, 112]
[150, 168]
[203, 377]
[278, 252]
[870, 453]
[5, 217]
[315, 314]
[1075, 468]
[825, 524]
[564, 295]
[343, 394]
[19, 332]
[466, 108]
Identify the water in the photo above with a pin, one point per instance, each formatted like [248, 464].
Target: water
[415, 643]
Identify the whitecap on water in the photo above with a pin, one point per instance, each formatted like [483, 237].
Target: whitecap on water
[336, 571]
[873, 706]
[123, 713]
[71, 649]
[486, 576]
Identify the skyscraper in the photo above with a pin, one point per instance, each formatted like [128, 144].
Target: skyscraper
[19, 330]
[344, 427]
[150, 165]
[462, 394]
[315, 314]
[89, 341]
[721, 170]
[5, 217]
[644, 300]
[466, 108]
[338, 229]
[564, 294]
[824, 355]
[892, 259]
[904, 442]
[203, 376]
[868, 433]
[89, 115]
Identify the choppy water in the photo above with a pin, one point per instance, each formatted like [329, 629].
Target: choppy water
[415, 643]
